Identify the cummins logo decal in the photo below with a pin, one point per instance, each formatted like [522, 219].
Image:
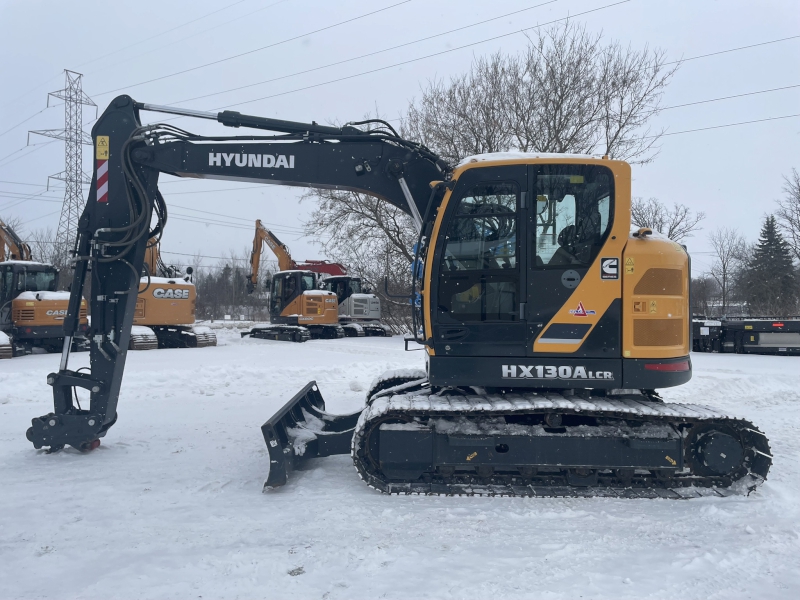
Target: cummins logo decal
[609, 268]
[170, 293]
[268, 161]
[553, 372]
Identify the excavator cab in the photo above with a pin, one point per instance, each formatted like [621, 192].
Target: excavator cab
[287, 287]
[343, 287]
[31, 309]
[359, 308]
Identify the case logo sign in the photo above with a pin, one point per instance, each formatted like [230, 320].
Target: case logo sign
[609, 268]
[176, 294]
[553, 372]
[581, 311]
[56, 313]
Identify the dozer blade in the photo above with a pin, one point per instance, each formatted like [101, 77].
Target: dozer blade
[302, 430]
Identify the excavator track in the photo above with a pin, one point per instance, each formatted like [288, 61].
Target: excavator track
[468, 442]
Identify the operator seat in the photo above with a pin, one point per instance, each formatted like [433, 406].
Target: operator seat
[565, 254]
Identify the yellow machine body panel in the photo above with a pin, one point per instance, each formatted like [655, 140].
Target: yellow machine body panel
[313, 308]
[42, 313]
[165, 302]
[655, 305]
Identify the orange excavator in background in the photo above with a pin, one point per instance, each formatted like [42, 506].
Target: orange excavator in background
[165, 308]
[359, 311]
[298, 310]
[31, 310]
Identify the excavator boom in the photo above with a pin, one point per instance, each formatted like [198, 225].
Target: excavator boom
[115, 226]
[13, 248]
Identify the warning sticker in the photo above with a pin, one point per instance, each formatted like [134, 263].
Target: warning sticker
[653, 307]
[629, 266]
[101, 147]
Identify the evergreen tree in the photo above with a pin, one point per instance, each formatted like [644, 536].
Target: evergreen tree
[770, 285]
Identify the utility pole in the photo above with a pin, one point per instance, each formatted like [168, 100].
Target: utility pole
[73, 176]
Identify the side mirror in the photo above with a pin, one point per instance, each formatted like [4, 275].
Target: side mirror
[189, 270]
[541, 204]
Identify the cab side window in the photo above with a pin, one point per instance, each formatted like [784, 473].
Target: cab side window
[277, 294]
[576, 203]
[479, 272]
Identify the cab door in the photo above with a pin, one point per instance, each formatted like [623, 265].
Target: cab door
[571, 216]
[479, 280]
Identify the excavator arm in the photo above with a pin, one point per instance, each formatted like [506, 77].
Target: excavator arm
[262, 236]
[13, 247]
[124, 201]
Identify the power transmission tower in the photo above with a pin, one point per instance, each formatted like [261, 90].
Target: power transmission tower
[73, 176]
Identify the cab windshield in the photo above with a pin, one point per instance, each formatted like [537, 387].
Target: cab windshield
[307, 282]
[36, 281]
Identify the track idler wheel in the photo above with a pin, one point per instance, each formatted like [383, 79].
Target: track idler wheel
[719, 452]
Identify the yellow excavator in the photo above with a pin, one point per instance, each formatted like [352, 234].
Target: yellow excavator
[31, 310]
[166, 308]
[298, 309]
[547, 324]
[359, 312]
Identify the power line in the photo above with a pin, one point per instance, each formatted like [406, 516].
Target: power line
[181, 40]
[21, 183]
[413, 60]
[40, 144]
[232, 217]
[25, 121]
[249, 187]
[341, 62]
[794, 37]
[202, 221]
[152, 37]
[222, 60]
[787, 87]
[38, 87]
[723, 126]
[450, 50]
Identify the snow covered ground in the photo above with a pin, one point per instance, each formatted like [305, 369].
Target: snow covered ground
[170, 506]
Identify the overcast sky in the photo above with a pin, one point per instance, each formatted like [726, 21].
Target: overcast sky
[733, 174]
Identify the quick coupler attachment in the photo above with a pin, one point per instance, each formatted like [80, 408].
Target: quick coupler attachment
[67, 424]
[302, 430]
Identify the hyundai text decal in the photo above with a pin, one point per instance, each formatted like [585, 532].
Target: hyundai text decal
[581, 311]
[268, 161]
[552, 372]
[170, 293]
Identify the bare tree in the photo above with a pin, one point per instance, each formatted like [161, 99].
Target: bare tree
[569, 92]
[374, 239]
[788, 213]
[677, 223]
[468, 115]
[729, 252]
[43, 246]
[705, 291]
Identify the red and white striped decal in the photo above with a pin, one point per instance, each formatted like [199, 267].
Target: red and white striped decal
[102, 181]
